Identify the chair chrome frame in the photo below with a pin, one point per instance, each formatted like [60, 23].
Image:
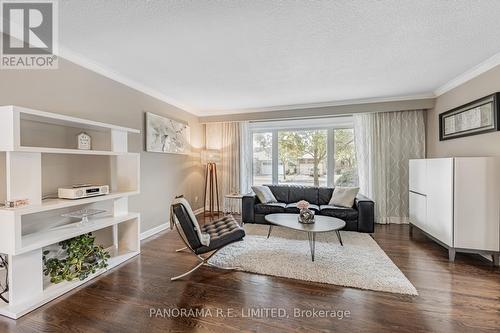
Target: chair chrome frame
[203, 260]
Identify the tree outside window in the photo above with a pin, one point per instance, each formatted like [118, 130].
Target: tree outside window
[302, 157]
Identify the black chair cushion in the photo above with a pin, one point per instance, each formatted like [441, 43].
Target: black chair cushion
[187, 226]
[222, 232]
[343, 213]
[292, 208]
[270, 208]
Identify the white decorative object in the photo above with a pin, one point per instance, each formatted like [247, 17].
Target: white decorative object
[23, 242]
[84, 141]
[164, 135]
[457, 202]
[84, 214]
[306, 215]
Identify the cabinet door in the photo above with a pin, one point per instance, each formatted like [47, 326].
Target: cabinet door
[439, 223]
[418, 176]
[418, 210]
[477, 203]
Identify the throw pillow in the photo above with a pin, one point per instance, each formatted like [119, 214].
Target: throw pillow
[344, 196]
[264, 194]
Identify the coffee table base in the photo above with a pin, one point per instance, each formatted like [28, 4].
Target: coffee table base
[312, 243]
[311, 236]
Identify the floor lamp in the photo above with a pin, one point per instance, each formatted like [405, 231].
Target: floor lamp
[210, 157]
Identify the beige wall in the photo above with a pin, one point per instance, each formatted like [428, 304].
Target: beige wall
[75, 91]
[477, 145]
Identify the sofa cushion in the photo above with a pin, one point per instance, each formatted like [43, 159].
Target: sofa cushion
[270, 208]
[307, 193]
[292, 208]
[343, 213]
[280, 192]
[344, 196]
[264, 194]
[324, 195]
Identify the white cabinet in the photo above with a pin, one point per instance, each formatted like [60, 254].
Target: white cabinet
[456, 201]
[418, 176]
[418, 210]
[477, 209]
[440, 199]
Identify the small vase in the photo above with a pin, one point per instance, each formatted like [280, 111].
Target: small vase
[306, 216]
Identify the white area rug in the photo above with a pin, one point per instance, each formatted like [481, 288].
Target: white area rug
[360, 263]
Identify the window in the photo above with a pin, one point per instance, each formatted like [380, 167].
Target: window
[303, 153]
[262, 158]
[346, 171]
[302, 157]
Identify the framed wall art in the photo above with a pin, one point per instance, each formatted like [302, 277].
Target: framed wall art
[165, 135]
[478, 117]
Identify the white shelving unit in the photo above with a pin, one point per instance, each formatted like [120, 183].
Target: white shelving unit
[38, 154]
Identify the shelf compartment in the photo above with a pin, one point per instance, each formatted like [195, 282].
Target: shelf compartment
[45, 238]
[52, 291]
[119, 245]
[34, 176]
[59, 119]
[53, 204]
[23, 128]
[35, 132]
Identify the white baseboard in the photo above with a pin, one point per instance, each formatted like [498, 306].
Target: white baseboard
[154, 231]
[163, 226]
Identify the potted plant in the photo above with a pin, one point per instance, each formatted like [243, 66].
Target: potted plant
[80, 259]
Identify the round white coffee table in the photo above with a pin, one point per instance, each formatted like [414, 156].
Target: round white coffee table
[321, 224]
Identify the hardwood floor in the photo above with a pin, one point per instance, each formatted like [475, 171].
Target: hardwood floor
[453, 297]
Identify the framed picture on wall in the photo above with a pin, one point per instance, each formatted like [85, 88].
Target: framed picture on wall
[165, 135]
[478, 117]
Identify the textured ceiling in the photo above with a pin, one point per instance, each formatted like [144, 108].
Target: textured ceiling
[216, 57]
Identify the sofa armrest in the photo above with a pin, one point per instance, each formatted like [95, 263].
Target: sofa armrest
[366, 213]
[247, 207]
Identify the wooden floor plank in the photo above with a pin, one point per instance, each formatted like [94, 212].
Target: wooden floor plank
[463, 296]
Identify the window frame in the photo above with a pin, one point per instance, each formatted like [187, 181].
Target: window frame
[275, 127]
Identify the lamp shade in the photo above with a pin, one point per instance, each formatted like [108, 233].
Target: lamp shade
[210, 155]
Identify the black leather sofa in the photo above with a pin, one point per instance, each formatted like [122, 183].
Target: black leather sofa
[358, 218]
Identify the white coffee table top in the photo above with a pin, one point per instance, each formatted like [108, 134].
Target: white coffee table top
[321, 224]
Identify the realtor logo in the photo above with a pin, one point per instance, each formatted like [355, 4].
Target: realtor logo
[29, 38]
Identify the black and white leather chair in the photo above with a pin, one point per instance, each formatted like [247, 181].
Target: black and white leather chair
[209, 238]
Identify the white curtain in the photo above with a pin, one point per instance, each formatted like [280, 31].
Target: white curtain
[230, 155]
[385, 142]
[245, 158]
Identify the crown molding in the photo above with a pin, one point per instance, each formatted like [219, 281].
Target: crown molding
[321, 104]
[469, 75]
[111, 74]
